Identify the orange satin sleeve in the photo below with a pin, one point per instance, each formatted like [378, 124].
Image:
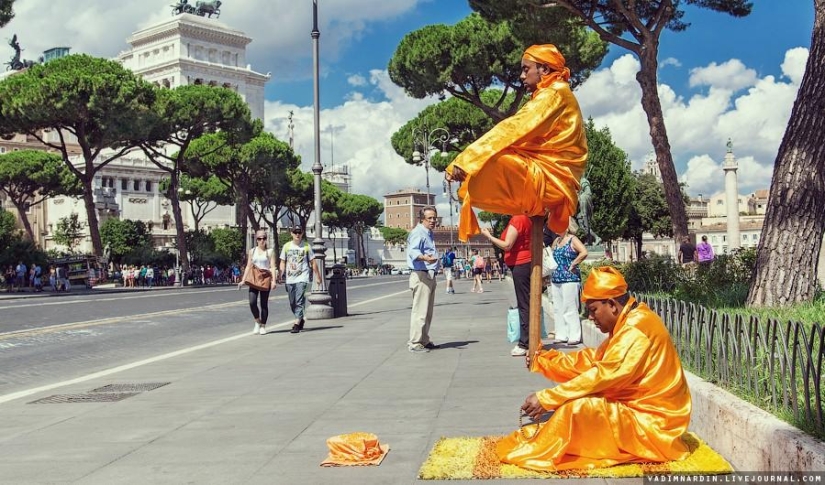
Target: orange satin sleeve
[527, 164]
[561, 367]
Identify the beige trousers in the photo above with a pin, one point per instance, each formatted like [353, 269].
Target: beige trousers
[423, 290]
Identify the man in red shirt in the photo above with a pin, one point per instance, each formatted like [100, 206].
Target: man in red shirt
[515, 241]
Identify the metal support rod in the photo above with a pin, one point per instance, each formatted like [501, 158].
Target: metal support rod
[536, 246]
[320, 301]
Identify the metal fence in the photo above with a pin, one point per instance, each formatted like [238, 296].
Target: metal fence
[775, 365]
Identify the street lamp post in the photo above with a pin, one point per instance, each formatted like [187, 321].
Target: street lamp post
[424, 142]
[448, 193]
[320, 302]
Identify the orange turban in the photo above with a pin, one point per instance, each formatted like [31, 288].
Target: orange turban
[604, 283]
[548, 54]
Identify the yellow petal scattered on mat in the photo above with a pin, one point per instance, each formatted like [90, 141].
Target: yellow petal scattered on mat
[451, 457]
[475, 458]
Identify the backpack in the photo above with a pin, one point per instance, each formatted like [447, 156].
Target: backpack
[479, 262]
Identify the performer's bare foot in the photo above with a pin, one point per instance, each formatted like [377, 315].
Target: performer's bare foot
[458, 175]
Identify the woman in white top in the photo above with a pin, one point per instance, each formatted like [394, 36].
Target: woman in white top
[263, 258]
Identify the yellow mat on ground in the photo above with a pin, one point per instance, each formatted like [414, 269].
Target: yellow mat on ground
[475, 458]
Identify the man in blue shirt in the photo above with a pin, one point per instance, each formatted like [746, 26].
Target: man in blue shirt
[447, 262]
[422, 258]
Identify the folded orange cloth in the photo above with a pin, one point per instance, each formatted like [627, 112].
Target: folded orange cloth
[355, 449]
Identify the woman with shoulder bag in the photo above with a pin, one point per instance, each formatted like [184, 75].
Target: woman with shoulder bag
[259, 258]
[568, 251]
[515, 242]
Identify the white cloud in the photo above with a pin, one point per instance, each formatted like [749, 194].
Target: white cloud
[670, 61]
[280, 29]
[698, 126]
[732, 75]
[357, 134]
[357, 80]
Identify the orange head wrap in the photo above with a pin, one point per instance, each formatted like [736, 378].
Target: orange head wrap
[604, 283]
[549, 55]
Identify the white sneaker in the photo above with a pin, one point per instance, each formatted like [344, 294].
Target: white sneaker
[518, 351]
[263, 330]
[257, 328]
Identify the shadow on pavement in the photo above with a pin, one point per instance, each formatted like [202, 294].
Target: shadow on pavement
[456, 345]
[306, 329]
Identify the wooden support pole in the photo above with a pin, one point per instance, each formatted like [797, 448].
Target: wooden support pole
[536, 247]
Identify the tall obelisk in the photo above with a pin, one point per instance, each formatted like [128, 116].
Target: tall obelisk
[731, 198]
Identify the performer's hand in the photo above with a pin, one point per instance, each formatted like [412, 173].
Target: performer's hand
[458, 175]
[532, 407]
[485, 231]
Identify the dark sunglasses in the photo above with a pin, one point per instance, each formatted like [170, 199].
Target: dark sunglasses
[260, 238]
[297, 231]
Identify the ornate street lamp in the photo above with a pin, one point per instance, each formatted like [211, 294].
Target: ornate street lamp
[320, 302]
[426, 141]
[448, 193]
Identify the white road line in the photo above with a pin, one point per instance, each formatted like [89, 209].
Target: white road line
[151, 294]
[152, 360]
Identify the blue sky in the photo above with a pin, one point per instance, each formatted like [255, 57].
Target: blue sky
[721, 78]
[759, 40]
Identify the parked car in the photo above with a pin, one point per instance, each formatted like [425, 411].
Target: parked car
[395, 271]
[405, 271]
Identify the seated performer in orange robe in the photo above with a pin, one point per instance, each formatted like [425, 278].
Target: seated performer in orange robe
[627, 401]
[529, 163]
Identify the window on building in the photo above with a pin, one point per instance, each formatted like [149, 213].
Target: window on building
[719, 202]
[124, 184]
[2, 149]
[148, 186]
[724, 239]
[136, 185]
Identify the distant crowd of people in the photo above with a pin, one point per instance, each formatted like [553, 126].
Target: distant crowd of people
[148, 276]
[23, 277]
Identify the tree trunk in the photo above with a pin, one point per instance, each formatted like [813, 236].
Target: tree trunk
[27, 225]
[364, 256]
[788, 252]
[243, 210]
[661, 146]
[91, 213]
[183, 253]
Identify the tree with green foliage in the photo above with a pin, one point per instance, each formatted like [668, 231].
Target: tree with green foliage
[635, 26]
[68, 232]
[240, 165]
[360, 212]
[123, 237]
[394, 235]
[8, 230]
[788, 252]
[29, 177]
[202, 195]
[473, 55]
[182, 115]
[229, 243]
[96, 103]
[648, 211]
[612, 184]
[463, 123]
[6, 12]
[300, 199]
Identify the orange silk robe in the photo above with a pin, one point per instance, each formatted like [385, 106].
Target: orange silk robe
[526, 163]
[626, 401]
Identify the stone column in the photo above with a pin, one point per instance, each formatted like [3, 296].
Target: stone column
[731, 198]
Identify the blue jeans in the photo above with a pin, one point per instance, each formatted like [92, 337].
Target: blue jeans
[297, 298]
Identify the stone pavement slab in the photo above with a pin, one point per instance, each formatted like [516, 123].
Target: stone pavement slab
[258, 410]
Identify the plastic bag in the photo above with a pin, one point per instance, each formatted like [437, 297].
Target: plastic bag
[514, 325]
[548, 262]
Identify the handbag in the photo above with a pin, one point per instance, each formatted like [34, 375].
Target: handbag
[514, 325]
[548, 262]
[258, 278]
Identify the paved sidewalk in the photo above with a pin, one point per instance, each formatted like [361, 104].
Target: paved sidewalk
[258, 409]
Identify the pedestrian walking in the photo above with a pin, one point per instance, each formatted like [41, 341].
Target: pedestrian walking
[296, 260]
[477, 262]
[264, 258]
[422, 259]
[447, 262]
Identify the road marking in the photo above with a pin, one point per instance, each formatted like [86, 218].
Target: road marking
[152, 294]
[114, 370]
[120, 318]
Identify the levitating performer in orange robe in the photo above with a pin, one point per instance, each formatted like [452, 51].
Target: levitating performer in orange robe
[627, 401]
[529, 163]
